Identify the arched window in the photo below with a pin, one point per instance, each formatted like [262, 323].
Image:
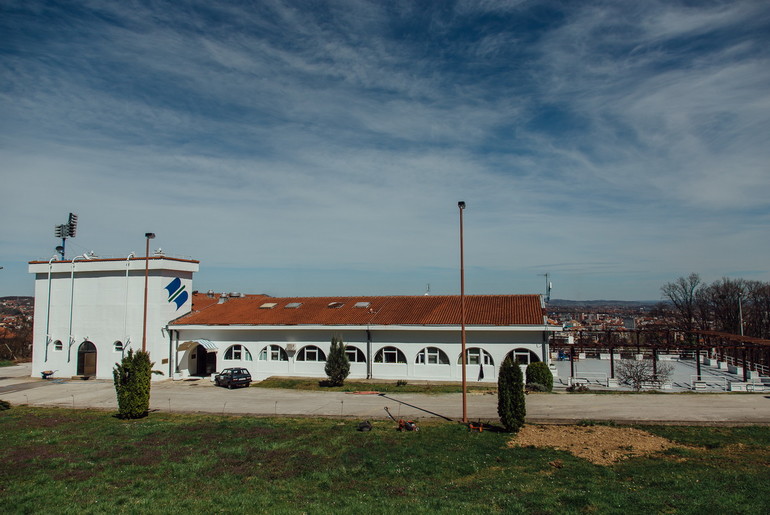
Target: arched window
[311, 353]
[273, 353]
[473, 356]
[58, 345]
[523, 356]
[389, 355]
[354, 354]
[238, 352]
[432, 356]
[117, 346]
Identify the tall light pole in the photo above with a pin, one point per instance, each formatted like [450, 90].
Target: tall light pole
[148, 236]
[461, 205]
[740, 310]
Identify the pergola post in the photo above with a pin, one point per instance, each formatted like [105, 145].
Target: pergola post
[697, 362]
[745, 368]
[612, 362]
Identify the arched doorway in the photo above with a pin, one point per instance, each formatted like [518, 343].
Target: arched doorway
[205, 362]
[86, 359]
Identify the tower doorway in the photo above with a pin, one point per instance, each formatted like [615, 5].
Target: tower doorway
[86, 359]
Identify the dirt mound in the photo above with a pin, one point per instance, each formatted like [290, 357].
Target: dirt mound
[602, 445]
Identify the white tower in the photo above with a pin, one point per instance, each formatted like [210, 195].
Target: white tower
[89, 312]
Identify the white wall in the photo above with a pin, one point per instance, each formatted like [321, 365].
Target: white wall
[100, 303]
[497, 343]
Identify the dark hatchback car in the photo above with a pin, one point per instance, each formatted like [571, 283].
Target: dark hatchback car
[232, 377]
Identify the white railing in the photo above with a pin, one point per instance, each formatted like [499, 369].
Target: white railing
[705, 384]
[588, 378]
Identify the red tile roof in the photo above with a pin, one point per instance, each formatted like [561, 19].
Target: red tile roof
[495, 310]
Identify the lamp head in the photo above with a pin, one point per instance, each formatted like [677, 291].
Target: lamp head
[461, 204]
[149, 235]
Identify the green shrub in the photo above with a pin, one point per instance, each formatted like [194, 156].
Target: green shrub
[4, 405]
[539, 373]
[511, 403]
[132, 377]
[337, 365]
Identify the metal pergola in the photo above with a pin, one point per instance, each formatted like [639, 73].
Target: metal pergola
[749, 353]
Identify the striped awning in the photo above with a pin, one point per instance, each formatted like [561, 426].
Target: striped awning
[193, 344]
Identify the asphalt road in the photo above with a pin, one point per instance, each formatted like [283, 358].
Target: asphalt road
[201, 396]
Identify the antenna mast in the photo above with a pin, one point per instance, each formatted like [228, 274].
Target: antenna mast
[548, 286]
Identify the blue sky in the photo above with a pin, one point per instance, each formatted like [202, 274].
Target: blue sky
[320, 148]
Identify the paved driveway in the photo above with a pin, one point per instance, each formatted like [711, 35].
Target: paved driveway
[17, 387]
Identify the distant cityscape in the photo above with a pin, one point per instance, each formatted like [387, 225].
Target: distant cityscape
[605, 315]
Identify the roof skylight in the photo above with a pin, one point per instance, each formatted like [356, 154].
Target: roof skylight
[268, 305]
[293, 305]
[362, 304]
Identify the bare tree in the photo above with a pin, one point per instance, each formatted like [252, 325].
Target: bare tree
[721, 303]
[682, 294]
[637, 373]
[756, 309]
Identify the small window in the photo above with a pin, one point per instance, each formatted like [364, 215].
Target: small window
[354, 354]
[268, 305]
[293, 305]
[432, 356]
[389, 355]
[57, 345]
[238, 352]
[118, 346]
[273, 353]
[311, 353]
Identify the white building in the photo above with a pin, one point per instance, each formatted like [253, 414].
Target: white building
[89, 312]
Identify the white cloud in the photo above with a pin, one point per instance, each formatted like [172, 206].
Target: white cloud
[607, 142]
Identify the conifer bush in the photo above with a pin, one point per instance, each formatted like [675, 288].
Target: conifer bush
[132, 377]
[511, 403]
[539, 373]
[337, 364]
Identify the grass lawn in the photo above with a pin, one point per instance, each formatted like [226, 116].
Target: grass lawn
[362, 386]
[81, 461]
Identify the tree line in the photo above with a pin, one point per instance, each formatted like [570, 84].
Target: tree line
[734, 306]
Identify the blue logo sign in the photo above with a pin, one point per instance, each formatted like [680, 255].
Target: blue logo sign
[176, 293]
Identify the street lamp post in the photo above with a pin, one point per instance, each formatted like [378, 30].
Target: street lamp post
[148, 236]
[461, 205]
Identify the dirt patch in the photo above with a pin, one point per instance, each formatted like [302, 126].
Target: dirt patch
[602, 445]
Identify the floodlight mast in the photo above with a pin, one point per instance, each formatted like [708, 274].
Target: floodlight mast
[65, 231]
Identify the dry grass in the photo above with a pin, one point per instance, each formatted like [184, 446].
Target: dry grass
[602, 445]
